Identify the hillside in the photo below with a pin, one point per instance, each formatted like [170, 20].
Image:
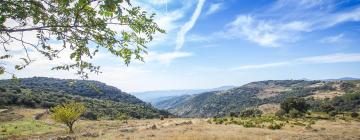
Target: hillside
[156, 96]
[255, 94]
[100, 99]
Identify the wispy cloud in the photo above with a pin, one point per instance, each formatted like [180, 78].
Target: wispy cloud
[259, 66]
[333, 39]
[322, 59]
[262, 32]
[332, 58]
[215, 7]
[189, 25]
[166, 58]
[288, 28]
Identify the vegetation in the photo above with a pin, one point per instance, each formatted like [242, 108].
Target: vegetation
[270, 122]
[230, 102]
[222, 103]
[24, 127]
[48, 92]
[293, 107]
[68, 114]
[123, 117]
[75, 25]
[252, 112]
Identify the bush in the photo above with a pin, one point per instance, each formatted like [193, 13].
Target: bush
[254, 112]
[90, 116]
[161, 117]
[122, 117]
[275, 126]
[354, 114]
[333, 113]
[298, 104]
[68, 114]
[280, 113]
[294, 113]
[327, 108]
[233, 114]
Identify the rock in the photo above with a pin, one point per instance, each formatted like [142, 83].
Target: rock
[89, 134]
[153, 127]
[184, 123]
[66, 138]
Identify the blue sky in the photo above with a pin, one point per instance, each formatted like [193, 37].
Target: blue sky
[211, 43]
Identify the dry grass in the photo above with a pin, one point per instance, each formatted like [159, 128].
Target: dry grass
[327, 94]
[271, 91]
[269, 108]
[196, 129]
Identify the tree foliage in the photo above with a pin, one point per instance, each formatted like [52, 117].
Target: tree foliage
[112, 25]
[298, 104]
[50, 92]
[68, 114]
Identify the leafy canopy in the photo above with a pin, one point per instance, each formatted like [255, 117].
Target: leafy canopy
[68, 113]
[75, 24]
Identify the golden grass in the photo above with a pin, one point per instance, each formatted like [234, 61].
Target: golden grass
[194, 129]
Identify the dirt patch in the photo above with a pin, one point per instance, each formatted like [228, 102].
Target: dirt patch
[9, 115]
[271, 91]
[269, 108]
[326, 94]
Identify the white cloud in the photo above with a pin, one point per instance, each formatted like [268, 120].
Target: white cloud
[189, 25]
[264, 33]
[166, 58]
[259, 66]
[160, 2]
[215, 7]
[277, 31]
[322, 59]
[332, 58]
[333, 39]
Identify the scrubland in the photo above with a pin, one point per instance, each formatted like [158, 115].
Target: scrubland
[26, 127]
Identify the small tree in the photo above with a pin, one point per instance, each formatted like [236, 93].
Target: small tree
[295, 103]
[68, 114]
[327, 108]
[122, 117]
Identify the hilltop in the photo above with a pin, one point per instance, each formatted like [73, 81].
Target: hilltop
[100, 99]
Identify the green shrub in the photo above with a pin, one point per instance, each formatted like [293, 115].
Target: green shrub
[327, 108]
[298, 104]
[294, 113]
[275, 125]
[90, 115]
[122, 117]
[248, 124]
[333, 113]
[233, 114]
[280, 113]
[253, 112]
[354, 114]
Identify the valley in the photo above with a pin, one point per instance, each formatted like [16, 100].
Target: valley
[272, 109]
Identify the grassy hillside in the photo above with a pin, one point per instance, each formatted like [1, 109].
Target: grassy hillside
[102, 100]
[181, 128]
[210, 104]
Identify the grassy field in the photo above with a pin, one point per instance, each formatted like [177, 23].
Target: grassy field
[179, 129]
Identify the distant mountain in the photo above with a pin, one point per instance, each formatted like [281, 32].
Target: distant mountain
[160, 95]
[255, 94]
[343, 79]
[104, 100]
